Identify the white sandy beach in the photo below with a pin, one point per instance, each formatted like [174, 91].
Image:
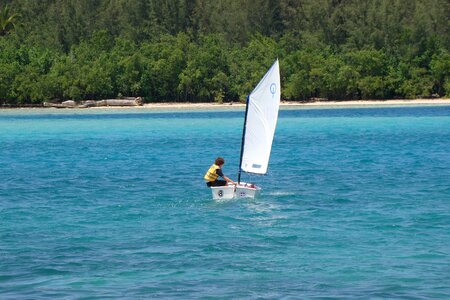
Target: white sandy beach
[177, 105]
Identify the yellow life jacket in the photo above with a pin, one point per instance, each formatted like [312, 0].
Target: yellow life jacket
[211, 175]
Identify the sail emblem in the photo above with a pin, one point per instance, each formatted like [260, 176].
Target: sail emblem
[273, 89]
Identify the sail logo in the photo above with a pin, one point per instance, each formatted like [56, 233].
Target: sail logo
[273, 89]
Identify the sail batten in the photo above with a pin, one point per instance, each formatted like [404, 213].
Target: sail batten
[260, 122]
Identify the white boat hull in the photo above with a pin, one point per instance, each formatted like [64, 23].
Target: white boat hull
[246, 191]
[222, 192]
[243, 190]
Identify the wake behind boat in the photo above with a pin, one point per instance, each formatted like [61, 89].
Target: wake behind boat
[261, 115]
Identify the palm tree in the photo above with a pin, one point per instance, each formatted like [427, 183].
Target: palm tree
[7, 20]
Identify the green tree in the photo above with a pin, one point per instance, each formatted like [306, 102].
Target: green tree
[164, 64]
[205, 77]
[440, 71]
[248, 64]
[371, 67]
[301, 73]
[7, 20]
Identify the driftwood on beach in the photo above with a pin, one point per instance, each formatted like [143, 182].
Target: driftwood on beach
[97, 103]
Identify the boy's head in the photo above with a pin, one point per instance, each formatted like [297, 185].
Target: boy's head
[219, 161]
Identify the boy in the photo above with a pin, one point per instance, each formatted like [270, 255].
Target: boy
[214, 172]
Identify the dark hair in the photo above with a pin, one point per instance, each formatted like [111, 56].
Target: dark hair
[219, 161]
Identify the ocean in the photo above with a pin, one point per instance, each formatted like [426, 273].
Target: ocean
[101, 204]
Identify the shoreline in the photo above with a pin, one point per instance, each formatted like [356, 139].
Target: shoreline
[348, 103]
[283, 104]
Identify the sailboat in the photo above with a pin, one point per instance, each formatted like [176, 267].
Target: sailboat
[261, 115]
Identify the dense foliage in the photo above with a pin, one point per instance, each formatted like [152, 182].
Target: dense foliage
[216, 50]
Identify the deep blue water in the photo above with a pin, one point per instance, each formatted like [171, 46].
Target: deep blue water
[111, 204]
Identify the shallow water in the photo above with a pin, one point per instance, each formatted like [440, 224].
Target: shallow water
[111, 204]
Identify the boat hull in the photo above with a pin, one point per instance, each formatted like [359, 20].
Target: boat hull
[222, 192]
[242, 190]
[246, 191]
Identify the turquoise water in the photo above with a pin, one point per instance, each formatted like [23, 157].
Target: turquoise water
[111, 204]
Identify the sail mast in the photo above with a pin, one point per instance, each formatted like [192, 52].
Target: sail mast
[243, 139]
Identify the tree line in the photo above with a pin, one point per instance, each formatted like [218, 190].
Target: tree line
[206, 50]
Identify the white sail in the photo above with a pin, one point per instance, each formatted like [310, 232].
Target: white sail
[262, 114]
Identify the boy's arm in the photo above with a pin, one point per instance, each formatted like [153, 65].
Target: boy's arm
[228, 179]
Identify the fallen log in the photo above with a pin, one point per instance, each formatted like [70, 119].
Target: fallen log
[92, 103]
[69, 103]
[88, 103]
[122, 102]
[57, 105]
